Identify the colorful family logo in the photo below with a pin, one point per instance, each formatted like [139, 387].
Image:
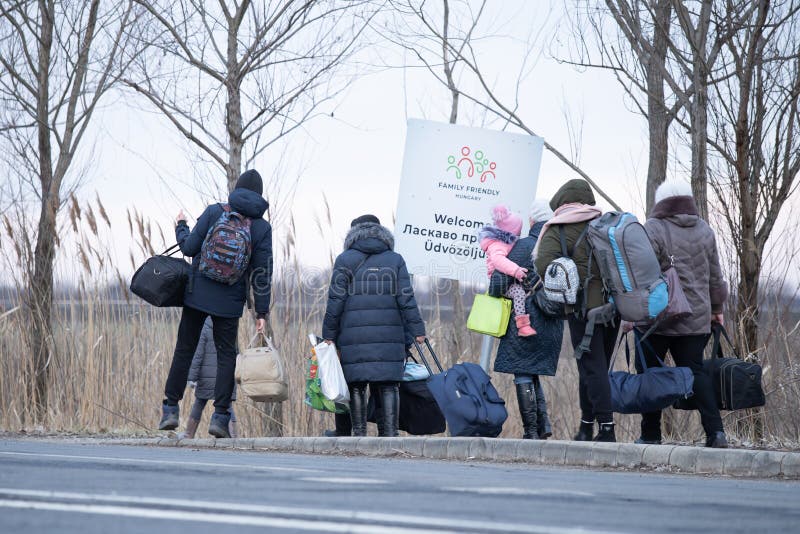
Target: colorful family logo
[472, 165]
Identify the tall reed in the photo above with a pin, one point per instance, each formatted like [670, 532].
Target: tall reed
[111, 351]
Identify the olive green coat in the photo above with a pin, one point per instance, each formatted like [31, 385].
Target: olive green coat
[574, 191]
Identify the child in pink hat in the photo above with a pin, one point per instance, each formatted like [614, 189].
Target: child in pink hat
[496, 241]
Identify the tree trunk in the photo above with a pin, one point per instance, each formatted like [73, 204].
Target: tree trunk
[40, 290]
[700, 142]
[658, 120]
[747, 298]
[233, 108]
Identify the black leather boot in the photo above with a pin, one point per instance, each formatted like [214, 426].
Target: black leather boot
[585, 432]
[344, 426]
[606, 433]
[526, 398]
[717, 440]
[358, 409]
[542, 419]
[390, 408]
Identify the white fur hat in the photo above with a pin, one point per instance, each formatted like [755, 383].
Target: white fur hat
[540, 210]
[673, 188]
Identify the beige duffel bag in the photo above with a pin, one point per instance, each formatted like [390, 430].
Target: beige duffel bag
[260, 372]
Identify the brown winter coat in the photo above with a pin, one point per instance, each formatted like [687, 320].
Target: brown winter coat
[694, 251]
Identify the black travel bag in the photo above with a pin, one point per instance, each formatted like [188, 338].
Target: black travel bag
[737, 383]
[419, 413]
[162, 280]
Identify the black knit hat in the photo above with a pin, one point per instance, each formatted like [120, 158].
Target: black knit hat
[365, 219]
[251, 180]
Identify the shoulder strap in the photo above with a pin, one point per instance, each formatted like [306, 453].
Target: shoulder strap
[563, 237]
[668, 236]
[360, 264]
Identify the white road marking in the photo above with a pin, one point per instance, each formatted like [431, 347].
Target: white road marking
[206, 517]
[343, 480]
[161, 462]
[409, 520]
[521, 491]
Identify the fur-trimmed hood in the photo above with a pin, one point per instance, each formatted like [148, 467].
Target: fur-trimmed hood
[369, 238]
[495, 233]
[680, 210]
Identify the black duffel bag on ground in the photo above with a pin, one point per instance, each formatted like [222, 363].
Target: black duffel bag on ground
[653, 390]
[162, 279]
[419, 413]
[737, 383]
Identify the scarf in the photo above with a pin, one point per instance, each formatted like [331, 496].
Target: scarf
[569, 214]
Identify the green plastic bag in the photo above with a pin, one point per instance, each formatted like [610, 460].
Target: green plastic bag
[314, 396]
[489, 315]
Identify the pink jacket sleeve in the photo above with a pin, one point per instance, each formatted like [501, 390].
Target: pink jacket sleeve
[498, 254]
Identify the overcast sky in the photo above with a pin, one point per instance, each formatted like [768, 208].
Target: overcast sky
[354, 158]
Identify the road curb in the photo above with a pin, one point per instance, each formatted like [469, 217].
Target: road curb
[672, 458]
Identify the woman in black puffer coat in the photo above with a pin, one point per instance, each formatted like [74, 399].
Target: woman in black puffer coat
[529, 357]
[370, 305]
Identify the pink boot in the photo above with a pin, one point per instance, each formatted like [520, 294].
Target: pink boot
[524, 328]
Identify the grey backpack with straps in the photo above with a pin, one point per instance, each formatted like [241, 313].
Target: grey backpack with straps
[561, 281]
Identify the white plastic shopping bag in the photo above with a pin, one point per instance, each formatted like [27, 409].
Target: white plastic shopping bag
[331, 377]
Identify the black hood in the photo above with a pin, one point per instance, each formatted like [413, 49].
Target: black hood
[248, 203]
[574, 191]
[369, 238]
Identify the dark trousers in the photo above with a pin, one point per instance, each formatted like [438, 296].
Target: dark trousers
[225, 332]
[686, 351]
[594, 391]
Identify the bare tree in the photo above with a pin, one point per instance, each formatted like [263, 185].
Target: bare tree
[756, 135]
[636, 52]
[474, 87]
[58, 59]
[235, 78]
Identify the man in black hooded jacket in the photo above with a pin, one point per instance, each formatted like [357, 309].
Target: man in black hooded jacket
[224, 303]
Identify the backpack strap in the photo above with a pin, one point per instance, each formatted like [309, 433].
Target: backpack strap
[563, 238]
[565, 251]
[602, 314]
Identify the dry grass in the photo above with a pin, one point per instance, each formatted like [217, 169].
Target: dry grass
[111, 354]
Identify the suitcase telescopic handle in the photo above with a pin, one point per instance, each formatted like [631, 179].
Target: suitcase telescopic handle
[433, 354]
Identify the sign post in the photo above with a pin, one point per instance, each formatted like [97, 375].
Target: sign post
[452, 177]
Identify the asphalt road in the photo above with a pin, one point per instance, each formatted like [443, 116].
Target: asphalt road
[62, 487]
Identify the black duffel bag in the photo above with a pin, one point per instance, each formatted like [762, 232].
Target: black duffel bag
[420, 415]
[737, 383]
[162, 280]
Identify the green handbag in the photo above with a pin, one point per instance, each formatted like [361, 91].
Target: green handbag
[489, 315]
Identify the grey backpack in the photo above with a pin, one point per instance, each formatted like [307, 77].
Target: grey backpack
[629, 267]
[561, 282]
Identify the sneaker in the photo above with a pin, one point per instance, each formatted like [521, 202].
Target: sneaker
[218, 427]
[170, 417]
